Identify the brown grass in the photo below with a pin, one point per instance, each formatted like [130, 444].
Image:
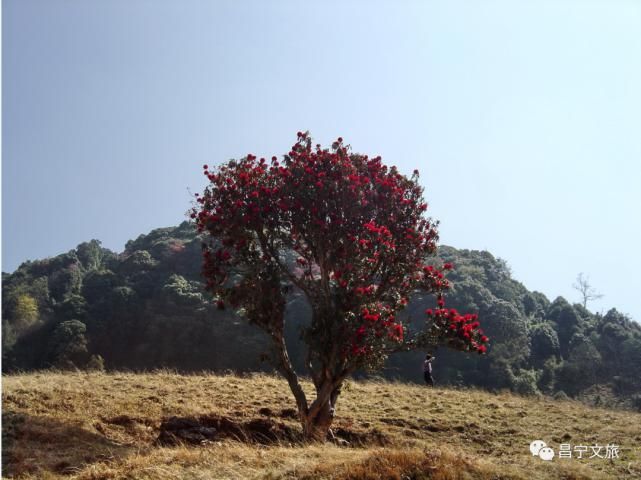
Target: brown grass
[103, 426]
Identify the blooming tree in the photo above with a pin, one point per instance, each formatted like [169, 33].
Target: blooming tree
[349, 233]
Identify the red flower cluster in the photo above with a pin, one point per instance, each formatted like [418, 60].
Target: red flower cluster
[356, 229]
[434, 279]
[377, 327]
[462, 331]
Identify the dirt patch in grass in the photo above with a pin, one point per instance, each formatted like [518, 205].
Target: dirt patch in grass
[356, 438]
[265, 431]
[289, 413]
[208, 428]
[126, 421]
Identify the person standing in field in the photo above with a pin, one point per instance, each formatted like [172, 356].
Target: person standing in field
[427, 370]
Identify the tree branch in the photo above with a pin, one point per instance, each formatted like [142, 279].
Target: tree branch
[290, 374]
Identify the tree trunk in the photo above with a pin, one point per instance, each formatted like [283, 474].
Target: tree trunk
[318, 420]
[316, 428]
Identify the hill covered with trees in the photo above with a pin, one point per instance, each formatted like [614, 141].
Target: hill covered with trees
[146, 308]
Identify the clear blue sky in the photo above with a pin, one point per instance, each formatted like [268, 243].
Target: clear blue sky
[523, 117]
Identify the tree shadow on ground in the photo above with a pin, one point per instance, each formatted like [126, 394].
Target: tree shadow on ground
[34, 444]
[266, 430]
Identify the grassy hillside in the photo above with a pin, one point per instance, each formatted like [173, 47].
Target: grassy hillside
[104, 426]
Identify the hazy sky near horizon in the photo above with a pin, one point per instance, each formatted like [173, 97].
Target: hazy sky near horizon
[524, 118]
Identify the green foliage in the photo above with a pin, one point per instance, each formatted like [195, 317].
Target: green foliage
[545, 343]
[178, 291]
[560, 395]
[566, 322]
[508, 329]
[25, 312]
[65, 281]
[95, 363]
[92, 256]
[137, 262]
[547, 378]
[535, 304]
[9, 339]
[67, 347]
[525, 383]
[97, 284]
[74, 306]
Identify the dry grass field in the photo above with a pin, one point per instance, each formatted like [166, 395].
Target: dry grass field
[105, 426]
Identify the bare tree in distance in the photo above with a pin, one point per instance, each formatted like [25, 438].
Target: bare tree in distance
[588, 292]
